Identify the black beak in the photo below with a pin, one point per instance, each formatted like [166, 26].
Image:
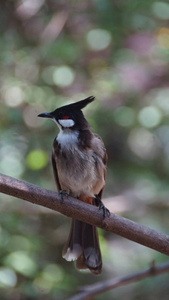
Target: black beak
[46, 115]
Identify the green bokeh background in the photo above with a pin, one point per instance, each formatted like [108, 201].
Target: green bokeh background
[56, 52]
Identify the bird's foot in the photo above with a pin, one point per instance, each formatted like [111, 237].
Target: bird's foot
[99, 203]
[63, 194]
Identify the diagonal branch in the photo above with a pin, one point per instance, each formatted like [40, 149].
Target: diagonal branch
[84, 212]
[88, 292]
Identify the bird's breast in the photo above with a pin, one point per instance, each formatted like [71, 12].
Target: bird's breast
[80, 172]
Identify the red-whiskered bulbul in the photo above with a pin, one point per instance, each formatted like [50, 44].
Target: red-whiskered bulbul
[79, 164]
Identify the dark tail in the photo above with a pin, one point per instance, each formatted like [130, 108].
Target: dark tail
[83, 245]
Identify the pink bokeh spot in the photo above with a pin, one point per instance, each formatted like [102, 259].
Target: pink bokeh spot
[134, 76]
[141, 43]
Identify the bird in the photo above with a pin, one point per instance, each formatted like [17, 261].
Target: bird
[79, 161]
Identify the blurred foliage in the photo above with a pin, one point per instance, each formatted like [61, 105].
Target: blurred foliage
[54, 52]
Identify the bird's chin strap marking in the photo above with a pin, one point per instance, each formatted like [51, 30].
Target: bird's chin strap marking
[99, 203]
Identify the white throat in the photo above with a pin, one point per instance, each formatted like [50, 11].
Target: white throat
[67, 138]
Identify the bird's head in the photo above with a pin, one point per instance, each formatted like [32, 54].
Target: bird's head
[70, 116]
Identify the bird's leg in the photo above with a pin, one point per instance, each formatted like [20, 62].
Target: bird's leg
[63, 193]
[100, 204]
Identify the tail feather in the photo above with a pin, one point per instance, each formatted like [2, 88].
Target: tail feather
[73, 247]
[83, 245]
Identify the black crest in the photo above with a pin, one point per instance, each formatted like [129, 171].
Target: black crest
[80, 104]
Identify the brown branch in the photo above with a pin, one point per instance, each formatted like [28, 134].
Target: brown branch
[87, 213]
[88, 292]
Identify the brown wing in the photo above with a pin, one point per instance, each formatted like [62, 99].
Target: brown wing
[54, 152]
[99, 148]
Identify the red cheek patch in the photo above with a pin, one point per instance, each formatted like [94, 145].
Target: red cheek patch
[65, 117]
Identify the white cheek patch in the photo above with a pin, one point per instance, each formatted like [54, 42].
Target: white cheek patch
[66, 123]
